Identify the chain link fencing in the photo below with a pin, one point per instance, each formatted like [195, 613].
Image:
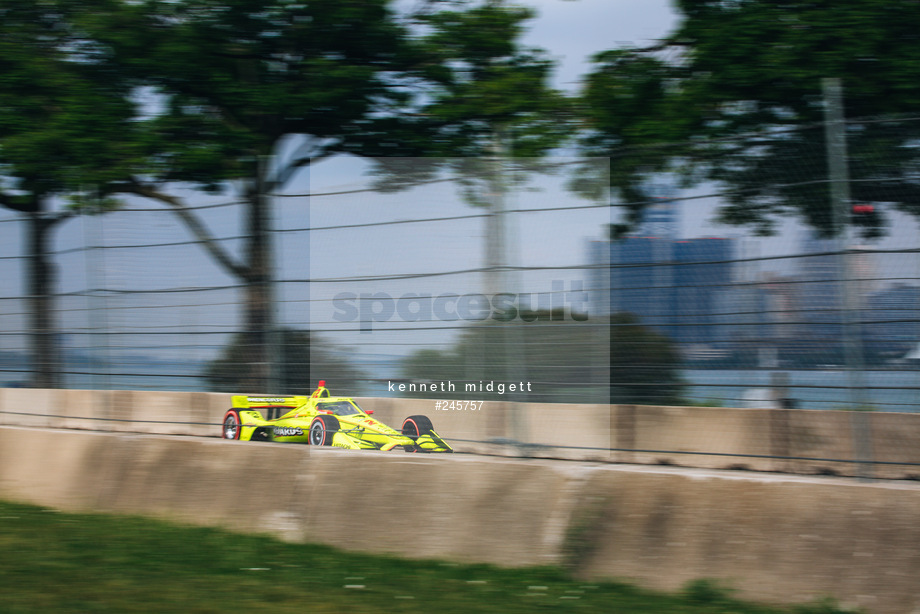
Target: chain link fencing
[500, 285]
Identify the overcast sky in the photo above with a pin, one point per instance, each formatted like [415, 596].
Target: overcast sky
[574, 30]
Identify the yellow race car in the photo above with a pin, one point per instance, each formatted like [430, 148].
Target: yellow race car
[324, 420]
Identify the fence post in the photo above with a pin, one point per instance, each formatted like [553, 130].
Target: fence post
[835, 131]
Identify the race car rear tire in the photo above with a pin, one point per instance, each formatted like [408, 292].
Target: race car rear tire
[322, 430]
[231, 426]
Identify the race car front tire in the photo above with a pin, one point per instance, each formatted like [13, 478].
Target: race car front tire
[416, 426]
[231, 426]
[322, 430]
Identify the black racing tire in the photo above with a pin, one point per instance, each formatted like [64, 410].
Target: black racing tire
[232, 425]
[416, 426]
[323, 429]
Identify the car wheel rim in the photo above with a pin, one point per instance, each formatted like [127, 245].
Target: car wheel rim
[317, 434]
[230, 427]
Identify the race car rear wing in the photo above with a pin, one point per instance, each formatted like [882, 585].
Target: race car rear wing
[247, 402]
[251, 402]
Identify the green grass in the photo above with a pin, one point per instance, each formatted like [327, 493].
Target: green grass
[56, 562]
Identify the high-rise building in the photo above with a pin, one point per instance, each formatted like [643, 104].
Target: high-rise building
[675, 287]
[659, 219]
[703, 276]
[827, 274]
[893, 318]
[821, 271]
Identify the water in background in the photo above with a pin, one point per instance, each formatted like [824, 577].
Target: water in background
[894, 391]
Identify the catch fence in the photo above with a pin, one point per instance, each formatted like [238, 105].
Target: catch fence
[493, 291]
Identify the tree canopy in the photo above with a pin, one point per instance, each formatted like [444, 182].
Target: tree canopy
[734, 96]
[481, 94]
[65, 113]
[67, 131]
[236, 77]
[301, 352]
[565, 360]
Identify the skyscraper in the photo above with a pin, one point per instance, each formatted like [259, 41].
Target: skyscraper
[674, 287]
[661, 218]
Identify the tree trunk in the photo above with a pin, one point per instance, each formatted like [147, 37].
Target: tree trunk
[259, 303]
[255, 363]
[41, 281]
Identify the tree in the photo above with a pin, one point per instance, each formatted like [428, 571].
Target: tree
[563, 358]
[644, 365]
[734, 96]
[631, 117]
[482, 81]
[488, 114]
[560, 356]
[236, 80]
[483, 95]
[297, 347]
[65, 130]
[243, 95]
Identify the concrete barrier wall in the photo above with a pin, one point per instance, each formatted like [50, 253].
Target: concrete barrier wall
[795, 441]
[120, 411]
[774, 538]
[782, 539]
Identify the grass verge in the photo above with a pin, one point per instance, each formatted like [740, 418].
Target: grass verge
[56, 562]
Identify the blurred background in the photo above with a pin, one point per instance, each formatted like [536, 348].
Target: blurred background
[716, 204]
